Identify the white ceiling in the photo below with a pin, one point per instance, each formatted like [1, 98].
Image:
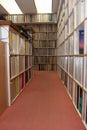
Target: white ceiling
[28, 6]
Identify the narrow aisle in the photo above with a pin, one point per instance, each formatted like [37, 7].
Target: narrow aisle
[43, 105]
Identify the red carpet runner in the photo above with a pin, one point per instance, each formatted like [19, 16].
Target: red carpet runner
[43, 105]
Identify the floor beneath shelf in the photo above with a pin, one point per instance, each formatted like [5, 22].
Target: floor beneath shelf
[43, 105]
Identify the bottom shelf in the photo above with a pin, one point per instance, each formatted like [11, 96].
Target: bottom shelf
[14, 88]
[18, 83]
[77, 94]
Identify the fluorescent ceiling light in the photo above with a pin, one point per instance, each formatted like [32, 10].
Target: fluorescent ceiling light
[43, 6]
[11, 6]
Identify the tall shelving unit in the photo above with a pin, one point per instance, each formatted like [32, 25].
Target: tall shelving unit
[72, 52]
[19, 57]
[45, 47]
[44, 38]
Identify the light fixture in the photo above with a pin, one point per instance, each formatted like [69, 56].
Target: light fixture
[11, 6]
[43, 6]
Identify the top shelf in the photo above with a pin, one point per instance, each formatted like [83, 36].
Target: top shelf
[32, 18]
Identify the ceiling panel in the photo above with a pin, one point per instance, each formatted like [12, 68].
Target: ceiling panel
[55, 6]
[27, 6]
[2, 10]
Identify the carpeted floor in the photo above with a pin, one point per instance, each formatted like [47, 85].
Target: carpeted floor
[43, 105]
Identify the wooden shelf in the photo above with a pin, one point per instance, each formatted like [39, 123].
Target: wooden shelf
[32, 18]
[45, 47]
[72, 52]
[19, 58]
